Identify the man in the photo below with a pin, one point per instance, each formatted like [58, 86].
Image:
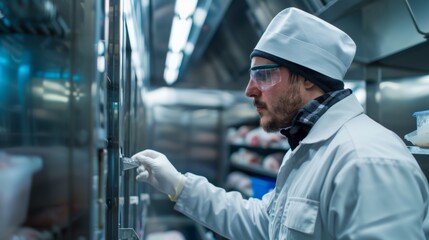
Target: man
[345, 176]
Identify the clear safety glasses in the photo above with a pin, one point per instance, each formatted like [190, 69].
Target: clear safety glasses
[265, 76]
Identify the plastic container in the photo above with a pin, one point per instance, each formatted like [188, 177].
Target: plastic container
[261, 186]
[422, 119]
[15, 183]
[420, 137]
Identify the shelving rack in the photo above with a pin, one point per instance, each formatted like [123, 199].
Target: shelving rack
[418, 150]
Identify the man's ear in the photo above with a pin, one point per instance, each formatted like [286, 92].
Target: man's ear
[308, 84]
[312, 89]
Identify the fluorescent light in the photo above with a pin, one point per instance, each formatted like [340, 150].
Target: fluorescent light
[174, 59]
[200, 16]
[179, 34]
[101, 64]
[55, 97]
[180, 30]
[170, 75]
[185, 8]
[189, 48]
[100, 47]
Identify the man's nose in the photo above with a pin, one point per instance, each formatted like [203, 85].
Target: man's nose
[252, 90]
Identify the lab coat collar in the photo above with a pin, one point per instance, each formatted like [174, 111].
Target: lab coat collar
[332, 120]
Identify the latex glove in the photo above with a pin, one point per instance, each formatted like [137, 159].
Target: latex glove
[157, 170]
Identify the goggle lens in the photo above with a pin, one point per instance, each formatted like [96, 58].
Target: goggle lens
[265, 76]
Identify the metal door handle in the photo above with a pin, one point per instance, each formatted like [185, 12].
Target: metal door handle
[129, 163]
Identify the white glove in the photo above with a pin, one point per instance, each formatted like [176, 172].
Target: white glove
[157, 170]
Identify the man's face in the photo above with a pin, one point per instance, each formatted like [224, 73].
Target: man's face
[277, 103]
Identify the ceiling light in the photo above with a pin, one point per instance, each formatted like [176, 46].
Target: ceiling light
[189, 48]
[185, 8]
[170, 75]
[174, 59]
[179, 34]
[200, 16]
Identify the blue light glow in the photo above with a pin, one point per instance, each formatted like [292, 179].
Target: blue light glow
[56, 75]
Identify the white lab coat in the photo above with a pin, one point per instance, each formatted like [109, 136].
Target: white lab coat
[350, 178]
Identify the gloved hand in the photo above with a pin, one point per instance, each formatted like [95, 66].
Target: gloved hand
[157, 170]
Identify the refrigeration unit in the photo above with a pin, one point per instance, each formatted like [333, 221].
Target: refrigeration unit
[71, 99]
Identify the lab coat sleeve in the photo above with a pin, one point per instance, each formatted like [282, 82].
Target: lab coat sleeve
[379, 199]
[226, 213]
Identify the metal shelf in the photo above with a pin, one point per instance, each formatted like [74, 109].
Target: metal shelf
[418, 150]
[254, 169]
[252, 147]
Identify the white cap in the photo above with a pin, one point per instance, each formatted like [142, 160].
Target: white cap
[304, 39]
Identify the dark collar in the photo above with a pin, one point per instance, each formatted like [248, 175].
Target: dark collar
[308, 115]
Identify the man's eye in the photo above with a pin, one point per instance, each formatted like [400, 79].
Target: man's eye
[260, 75]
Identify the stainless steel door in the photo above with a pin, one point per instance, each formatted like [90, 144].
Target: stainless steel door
[125, 202]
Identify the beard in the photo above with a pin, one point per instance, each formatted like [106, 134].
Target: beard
[282, 111]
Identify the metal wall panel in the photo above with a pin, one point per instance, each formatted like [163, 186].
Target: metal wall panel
[393, 98]
[380, 35]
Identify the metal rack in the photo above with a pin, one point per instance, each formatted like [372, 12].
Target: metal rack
[418, 150]
[255, 169]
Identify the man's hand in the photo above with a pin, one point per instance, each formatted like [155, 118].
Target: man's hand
[157, 170]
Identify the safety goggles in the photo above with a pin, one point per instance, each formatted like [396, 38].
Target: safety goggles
[265, 76]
